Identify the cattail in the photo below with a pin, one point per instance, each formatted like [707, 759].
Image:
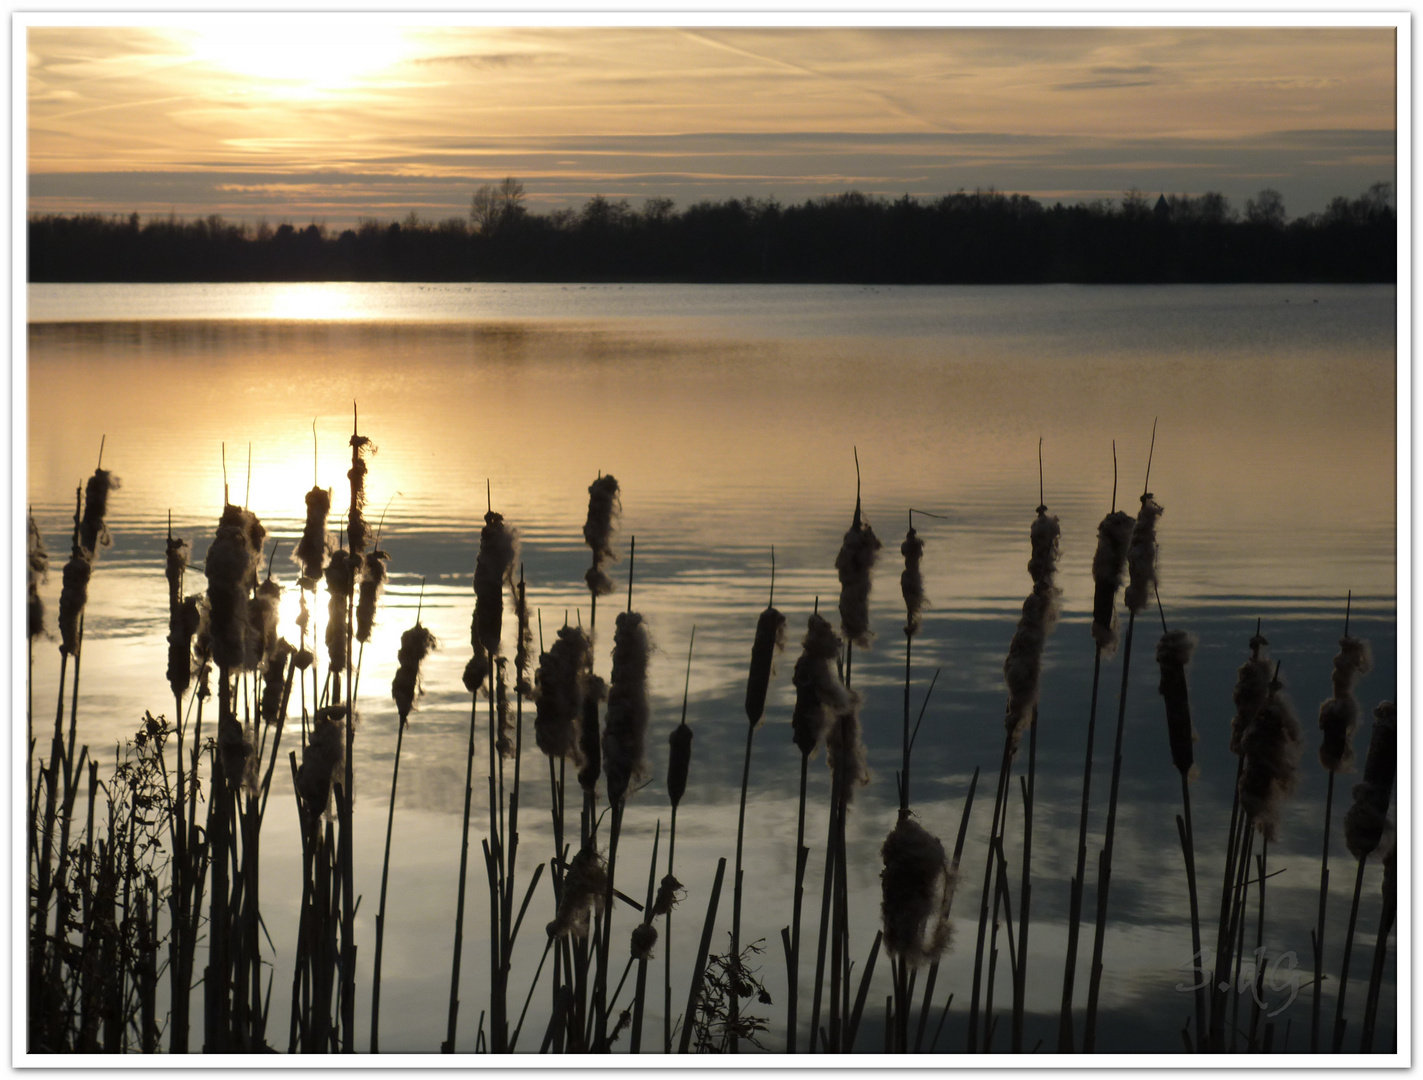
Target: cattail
[373, 575]
[820, 695]
[858, 552]
[1339, 715]
[183, 622]
[93, 533]
[1022, 670]
[262, 613]
[679, 762]
[304, 659]
[231, 566]
[1271, 748]
[238, 755]
[415, 645]
[1173, 653]
[505, 743]
[845, 750]
[174, 566]
[1141, 555]
[202, 638]
[917, 885]
[559, 703]
[493, 569]
[1367, 819]
[625, 726]
[911, 582]
[73, 595]
[525, 647]
[770, 640]
[1108, 566]
[584, 886]
[38, 574]
[604, 506]
[356, 528]
[1252, 690]
[670, 893]
[340, 583]
[644, 937]
[590, 747]
[322, 759]
[477, 670]
[315, 544]
[274, 677]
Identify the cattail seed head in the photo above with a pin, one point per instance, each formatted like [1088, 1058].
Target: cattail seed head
[183, 623]
[493, 569]
[93, 533]
[559, 703]
[274, 676]
[1022, 669]
[845, 749]
[322, 759]
[590, 744]
[679, 762]
[525, 647]
[1271, 748]
[1108, 566]
[625, 725]
[38, 569]
[315, 544]
[911, 582]
[262, 615]
[917, 886]
[584, 888]
[373, 578]
[644, 937]
[604, 507]
[505, 743]
[415, 645]
[1252, 690]
[669, 894]
[820, 695]
[1367, 820]
[770, 640]
[340, 584]
[357, 529]
[175, 564]
[73, 595]
[231, 567]
[237, 754]
[1173, 653]
[858, 552]
[1141, 555]
[1339, 715]
[477, 670]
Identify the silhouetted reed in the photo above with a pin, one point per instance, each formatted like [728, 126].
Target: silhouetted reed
[560, 692]
[1270, 748]
[669, 890]
[604, 507]
[93, 533]
[357, 529]
[37, 567]
[314, 547]
[373, 578]
[917, 892]
[625, 729]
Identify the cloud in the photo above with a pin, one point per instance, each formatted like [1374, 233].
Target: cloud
[1105, 84]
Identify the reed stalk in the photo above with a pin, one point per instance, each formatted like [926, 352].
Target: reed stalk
[1386, 917]
[679, 760]
[642, 946]
[699, 969]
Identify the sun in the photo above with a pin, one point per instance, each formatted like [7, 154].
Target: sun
[316, 54]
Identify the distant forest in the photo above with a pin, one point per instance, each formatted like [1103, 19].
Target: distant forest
[980, 237]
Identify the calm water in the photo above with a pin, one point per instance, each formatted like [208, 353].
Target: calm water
[729, 416]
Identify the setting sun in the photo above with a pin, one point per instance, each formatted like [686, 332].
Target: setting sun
[330, 56]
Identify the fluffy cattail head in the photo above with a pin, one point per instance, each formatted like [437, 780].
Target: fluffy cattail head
[1108, 566]
[1141, 555]
[505, 742]
[525, 647]
[477, 670]
[1022, 669]
[1367, 820]
[911, 582]
[1339, 715]
[1252, 690]
[73, 595]
[322, 759]
[274, 682]
[183, 623]
[1271, 747]
[93, 533]
[679, 762]
[820, 696]
[917, 886]
[770, 639]
[669, 894]
[644, 937]
[231, 566]
[373, 577]
[604, 506]
[858, 552]
[357, 530]
[415, 645]
[590, 744]
[262, 615]
[340, 583]
[237, 755]
[584, 887]
[493, 569]
[625, 730]
[175, 563]
[38, 567]
[559, 703]
[315, 544]
[1173, 653]
[845, 750]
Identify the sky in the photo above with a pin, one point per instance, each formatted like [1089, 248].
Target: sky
[338, 118]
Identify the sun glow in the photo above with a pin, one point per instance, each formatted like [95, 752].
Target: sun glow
[321, 55]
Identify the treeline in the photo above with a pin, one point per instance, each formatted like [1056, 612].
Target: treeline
[981, 237]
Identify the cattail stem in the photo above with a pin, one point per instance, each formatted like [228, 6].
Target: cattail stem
[1339, 1022]
[448, 1046]
[700, 968]
[1319, 925]
[987, 897]
[733, 1005]
[1242, 895]
[1065, 1034]
[1025, 891]
[635, 1038]
[1188, 852]
[1258, 995]
[1224, 929]
[384, 878]
[793, 961]
[1104, 874]
[1371, 1003]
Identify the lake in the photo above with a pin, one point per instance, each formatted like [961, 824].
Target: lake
[732, 417]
